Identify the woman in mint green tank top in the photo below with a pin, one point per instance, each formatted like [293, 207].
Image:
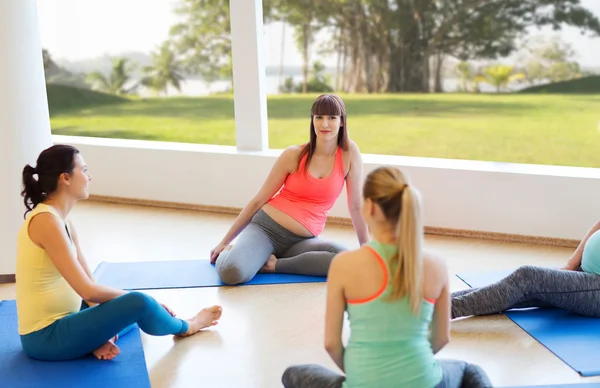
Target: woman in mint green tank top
[397, 299]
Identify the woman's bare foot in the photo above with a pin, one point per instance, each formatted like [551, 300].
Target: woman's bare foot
[108, 351]
[269, 265]
[205, 318]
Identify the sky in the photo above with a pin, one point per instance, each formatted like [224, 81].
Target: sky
[76, 29]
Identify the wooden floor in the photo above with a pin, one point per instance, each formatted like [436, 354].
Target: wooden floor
[266, 328]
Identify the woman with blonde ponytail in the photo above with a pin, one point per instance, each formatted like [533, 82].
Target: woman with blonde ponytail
[397, 299]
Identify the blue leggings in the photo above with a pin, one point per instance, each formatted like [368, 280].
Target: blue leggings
[79, 334]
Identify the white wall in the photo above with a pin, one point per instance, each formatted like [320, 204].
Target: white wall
[491, 197]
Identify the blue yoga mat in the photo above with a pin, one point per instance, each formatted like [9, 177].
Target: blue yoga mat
[573, 338]
[147, 275]
[481, 279]
[127, 370]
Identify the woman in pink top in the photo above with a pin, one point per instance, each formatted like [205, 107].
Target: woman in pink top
[279, 228]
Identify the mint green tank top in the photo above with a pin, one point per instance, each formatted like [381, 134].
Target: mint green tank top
[590, 260]
[388, 345]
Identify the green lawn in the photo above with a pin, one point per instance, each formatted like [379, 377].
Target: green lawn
[523, 128]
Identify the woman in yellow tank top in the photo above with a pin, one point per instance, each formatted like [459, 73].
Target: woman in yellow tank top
[397, 300]
[62, 312]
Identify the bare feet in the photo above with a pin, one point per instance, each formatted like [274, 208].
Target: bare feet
[108, 351]
[205, 318]
[269, 265]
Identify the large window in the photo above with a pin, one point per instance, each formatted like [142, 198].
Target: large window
[135, 69]
[441, 79]
[427, 78]
[393, 104]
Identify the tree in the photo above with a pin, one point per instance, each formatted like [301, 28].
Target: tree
[116, 82]
[534, 71]
[500, 76]
[549, 59]
[307, 17]
[405, 34]
[319, 82]
[383, 45]
[202, 39]
[466, 74]
[164, 70]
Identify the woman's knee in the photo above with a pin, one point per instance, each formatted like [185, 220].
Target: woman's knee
[231, 273]
[287, 379]
[337, 248]
[138, 301]
[525, 272]
[310, 375]
[475, 377]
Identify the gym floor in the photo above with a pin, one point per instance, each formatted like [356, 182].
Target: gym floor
[266, 328]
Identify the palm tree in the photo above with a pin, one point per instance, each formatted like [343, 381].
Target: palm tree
[164, 70]
[116, 81]
[500, 76]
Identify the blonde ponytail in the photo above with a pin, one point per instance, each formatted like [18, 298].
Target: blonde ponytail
[401, 206]
[407, 276]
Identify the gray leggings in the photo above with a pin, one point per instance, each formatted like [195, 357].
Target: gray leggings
[456, 374]
[263, 237]
[530, 286]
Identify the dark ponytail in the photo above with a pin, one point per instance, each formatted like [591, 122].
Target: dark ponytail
[32, 192]
[51, 163]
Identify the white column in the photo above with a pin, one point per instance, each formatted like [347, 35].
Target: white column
[24, 120]
[249, 85]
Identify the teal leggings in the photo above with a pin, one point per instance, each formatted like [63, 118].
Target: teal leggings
[79, 334]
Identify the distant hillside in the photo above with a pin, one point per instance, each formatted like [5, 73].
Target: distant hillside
[61, 97]
[103, 63]
[55, 74]
[584, 85]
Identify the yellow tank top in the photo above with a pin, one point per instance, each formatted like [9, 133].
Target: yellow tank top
[43, 295]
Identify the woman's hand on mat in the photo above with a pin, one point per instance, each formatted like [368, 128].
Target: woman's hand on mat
[168, 309]
[214, 253]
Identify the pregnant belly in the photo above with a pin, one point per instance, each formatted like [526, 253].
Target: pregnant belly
[286, 221]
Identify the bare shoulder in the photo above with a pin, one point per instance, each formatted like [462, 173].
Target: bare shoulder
[353, 150]
[294, 149]
[353, 147]
[435, 262]
[289, 157]
[291, 153]
[43, 221]
[353, 158]
[43, 227]
[342, 258]
[347, 259]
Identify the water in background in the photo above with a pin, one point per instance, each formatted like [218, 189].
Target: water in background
[195, 87]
